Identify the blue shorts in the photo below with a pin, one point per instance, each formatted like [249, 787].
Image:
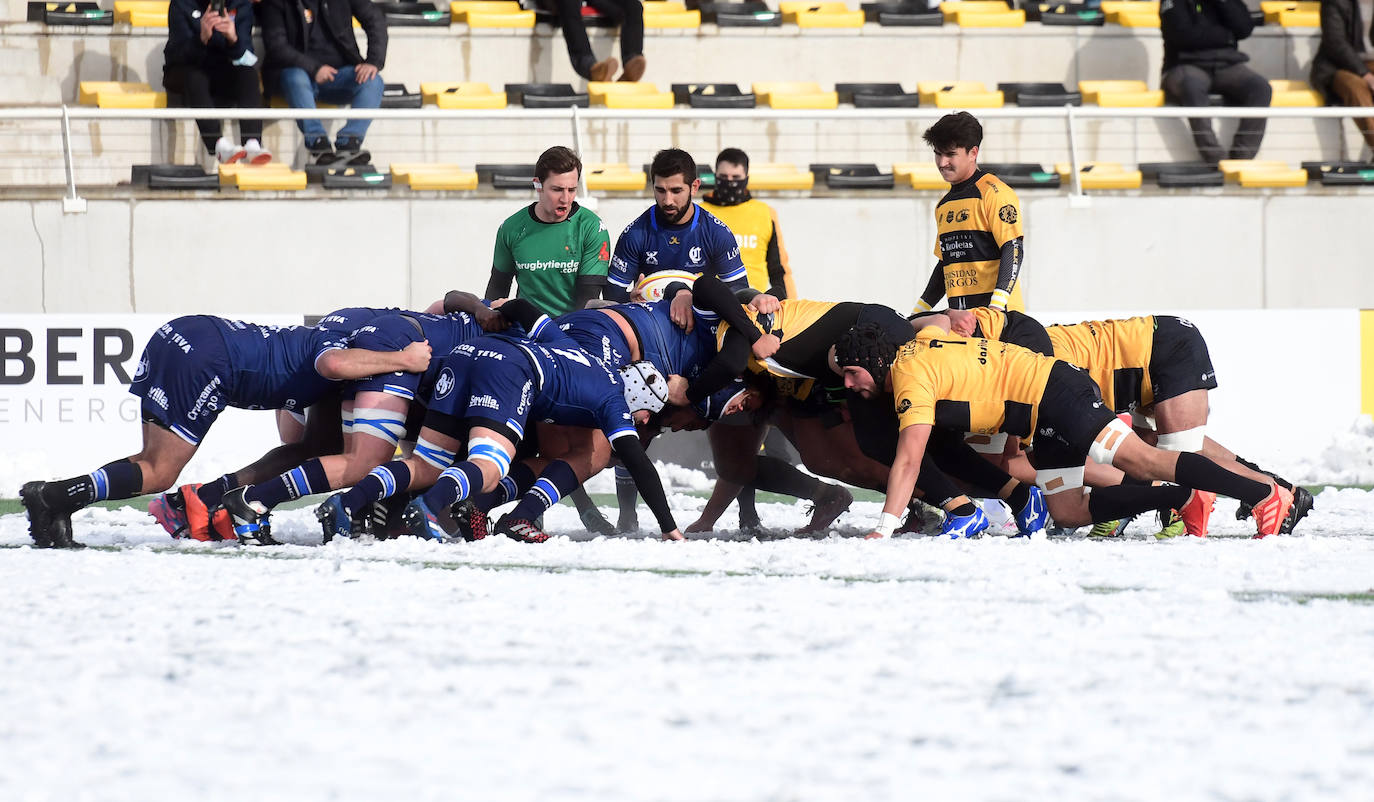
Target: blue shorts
[184, 377]
[387, 333]
[597, 333]
[490, 385]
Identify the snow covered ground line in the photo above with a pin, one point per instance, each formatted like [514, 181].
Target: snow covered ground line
[630, 669]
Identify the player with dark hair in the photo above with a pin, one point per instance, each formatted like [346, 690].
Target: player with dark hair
[978, 222]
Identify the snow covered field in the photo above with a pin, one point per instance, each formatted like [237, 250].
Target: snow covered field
[630, 669]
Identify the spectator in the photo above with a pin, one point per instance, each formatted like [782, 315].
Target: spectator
[628, 14]
[208, 60]
[1200, 57]
[1341, 68]
[313, 54]
[754, 223]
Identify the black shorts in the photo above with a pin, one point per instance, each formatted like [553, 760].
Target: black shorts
[1026, 331]
[1071, 416]
[1179, 362]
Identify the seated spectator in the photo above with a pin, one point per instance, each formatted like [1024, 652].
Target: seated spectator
[1341, 69]
[1200, 57]
[628, 14]
[312, 54]
[208, 61]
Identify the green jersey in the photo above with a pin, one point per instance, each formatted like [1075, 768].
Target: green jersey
[548, 258]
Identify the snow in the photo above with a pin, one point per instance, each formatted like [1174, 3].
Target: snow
[718, 669]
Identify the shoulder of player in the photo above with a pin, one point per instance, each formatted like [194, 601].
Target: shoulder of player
[992, 188]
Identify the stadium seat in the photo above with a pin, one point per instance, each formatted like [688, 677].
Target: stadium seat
[172, 176]
[1022, 175]
[1100, 175]
[364, 176]
[1132, 13]
[1295, 94]
[662, 14]
[712, 96]
[415, 15]
[1119, 94]
[142, 13]
[120, 95]
[958, 95]
[273, 176]
[1289, 14]
[748, 14]
[1066, 13]
[806, 14]
[1317, 169]
[877, 96]
[546, 96]
[1040, 94]
[982, 14]
[852, 176]
[84, 14]
[794, 95]
[779, 176]
[491, 14]
[1183, 174]
[903, 13]
[462, 95]
[434, 177]
[1262, 173]
[399, 96]
[628, 95]
[506, 176]
[617, 177]
[920, 175]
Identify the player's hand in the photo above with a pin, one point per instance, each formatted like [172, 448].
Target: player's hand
[764, 303]
[491, 320]
[766, 346]
[415, 356]
[700, 525]
[673, 535]
[677, 390]
[364, 72]
[325, 74]
[681, 310]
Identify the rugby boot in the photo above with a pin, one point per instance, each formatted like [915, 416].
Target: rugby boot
[1197, 512]
[1034, 516]
[422, 522]
[628, 524]
[334, 518]
[49, 527]
[198, 515]
[966, 526]
[1115, 528]
[594, 521]
[1302, 504]
[167, 510]
[1171, 525]
[1270, 513]
[921, 519]
[252, 524]
[521, 530]
[830, 503]
[473, 523]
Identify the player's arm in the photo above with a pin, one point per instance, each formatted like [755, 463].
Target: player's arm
[346, 364]
[459, 301]
[527, 316]
[711, 295]
[934, 291]
[587, 289]
[632, 455]
[1007, 273]
[901, 480]
[595, 262]
[502, 269]
[624, 269]
[729, 362]
[498, 286]
[1003, 211]
[775, 257]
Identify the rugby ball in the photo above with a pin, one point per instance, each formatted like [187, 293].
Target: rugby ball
[651, 287]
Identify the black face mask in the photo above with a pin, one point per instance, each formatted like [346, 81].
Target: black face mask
[730, 192]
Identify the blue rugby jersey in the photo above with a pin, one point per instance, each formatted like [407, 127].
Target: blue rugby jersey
[702, 245]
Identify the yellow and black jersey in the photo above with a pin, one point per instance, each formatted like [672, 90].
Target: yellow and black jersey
[1116, 353]
[1013, 327]
[755, 226]
[798, 323]
[973, 221]
[969, 385]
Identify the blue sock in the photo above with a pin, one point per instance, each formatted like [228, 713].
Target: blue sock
[305, 480]
[121, 479]
[553, 484]
[511, 487]
[456, 483]
[384, 480]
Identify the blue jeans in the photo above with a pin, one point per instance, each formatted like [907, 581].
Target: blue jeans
[301, 91]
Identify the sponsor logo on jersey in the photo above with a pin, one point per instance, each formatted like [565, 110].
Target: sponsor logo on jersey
[1007, 214]
[484, 401]
[651, 258]
[904, 405]
[673, 240]
[747, 240]
[207, 400]
[619, 263]
[952, 217]
[562, 266]
[444, 384]
[524, 399]
[158, 396]
[498, 356]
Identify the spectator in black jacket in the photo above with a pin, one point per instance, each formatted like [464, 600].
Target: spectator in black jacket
[1341, 67]
[312, 53]
[1200, 57]
[208, 60]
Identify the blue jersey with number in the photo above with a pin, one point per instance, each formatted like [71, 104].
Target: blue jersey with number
[702, 245]
[393, 332]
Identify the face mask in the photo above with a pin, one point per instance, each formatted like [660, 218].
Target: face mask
[731, 192]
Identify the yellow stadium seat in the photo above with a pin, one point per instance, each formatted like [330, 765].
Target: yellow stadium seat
[820, 15]
[921, 175]
[982, 14]
[270, 176]
[491, 14]
[628, 95]
[615, 178]
[120, 95]
[1261, 173]
[1100, 175]
[142, 13]
[1131, 94]
[952, 8]
[1298, 94]
[425, 176]
[461, 95]
[794, 95]
[1132, 13]
[780, 175]
[670, 14]
[958, 95]
[1292, 14]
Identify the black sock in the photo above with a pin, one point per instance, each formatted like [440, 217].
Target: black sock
[936, 488]
[748, 511]
[964, 510]
[512, 486]
[774, 475]
[1131, 480]
[1195, 470]
[626, 494]
[1284, 483]
[581, 500]
[958, 459]
[211, 493]
[1122, 501]
[117, 480]
[1018, 497]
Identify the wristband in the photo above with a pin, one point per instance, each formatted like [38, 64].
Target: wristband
[887, 524]
[922, 306]
[999, 299]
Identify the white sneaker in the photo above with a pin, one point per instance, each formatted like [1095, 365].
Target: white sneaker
[256, 153]
[228, 152]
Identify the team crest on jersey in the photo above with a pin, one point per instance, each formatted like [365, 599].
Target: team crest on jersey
[651, 258]
[1007, 214]
[694, 255]
[142, 369]
[904, 405]
[444, 384]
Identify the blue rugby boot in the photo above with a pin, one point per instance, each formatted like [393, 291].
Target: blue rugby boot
[968, 526]
[1034, 516]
